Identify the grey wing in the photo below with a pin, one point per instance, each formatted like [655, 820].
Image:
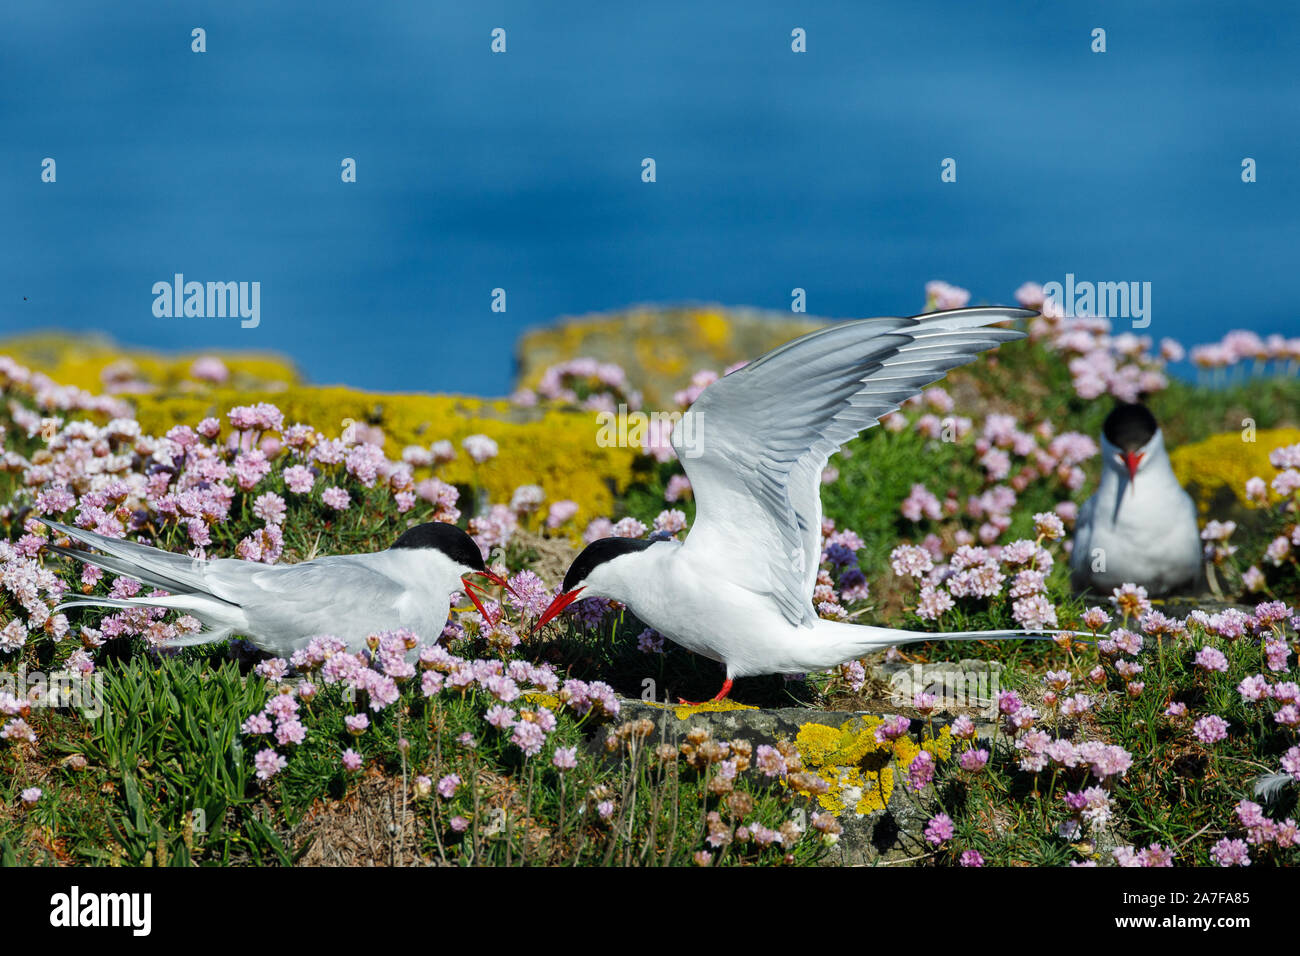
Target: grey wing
[756, 441]
[338, 594]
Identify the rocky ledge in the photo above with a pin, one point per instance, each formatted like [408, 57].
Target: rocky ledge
[865, 783]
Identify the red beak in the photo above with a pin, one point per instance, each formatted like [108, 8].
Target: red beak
[1132, 459]
[469, 591]
[559, 604]
[498, 580]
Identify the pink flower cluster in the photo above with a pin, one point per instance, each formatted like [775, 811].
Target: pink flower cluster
[1012, 460]
[587, 382]
[1242, 345]
[1100, 363]
[397, 659]
[1281, 498]
[976, 574]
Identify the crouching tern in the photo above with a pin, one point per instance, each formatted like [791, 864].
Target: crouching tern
[1140, 525]
[754, 445]
[279, 608]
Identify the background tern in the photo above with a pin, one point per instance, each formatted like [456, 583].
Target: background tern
[279, 608]
[754, 444]
[1140, 526]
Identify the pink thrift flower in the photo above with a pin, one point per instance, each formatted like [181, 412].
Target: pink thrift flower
[480, 448]
[560, 513]
[921, 770]
[1048, 525]
[973, 760]
[939, 830]
[299, 479]
[909, 560]
[357, 724]
[678, 487]
[1211, 659]
[336, 498]
[1291, 763]
[940, 295]
[891, 728]
[1034, 612]
[1094, 619]
[1230, 853]
[268, 763]
[1210, 729]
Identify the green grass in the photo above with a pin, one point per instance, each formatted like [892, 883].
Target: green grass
[169, 781]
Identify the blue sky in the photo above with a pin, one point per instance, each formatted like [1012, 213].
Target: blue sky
[522, 170]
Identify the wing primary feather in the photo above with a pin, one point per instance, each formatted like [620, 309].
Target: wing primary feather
[763, 434]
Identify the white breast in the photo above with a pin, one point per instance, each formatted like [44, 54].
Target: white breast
[1149, 536]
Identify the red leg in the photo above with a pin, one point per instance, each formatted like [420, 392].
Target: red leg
[720, 695]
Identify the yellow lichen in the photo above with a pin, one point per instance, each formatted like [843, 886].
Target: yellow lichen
[540, 699]
[712, 328]
[1228, 460]
[858, 769]
[553, 448]
[682, 711]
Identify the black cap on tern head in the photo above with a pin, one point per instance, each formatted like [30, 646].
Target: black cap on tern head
[444, 537]
[596, 554]
[1129, 427]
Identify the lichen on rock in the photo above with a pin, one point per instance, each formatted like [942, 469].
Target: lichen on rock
[859, 770]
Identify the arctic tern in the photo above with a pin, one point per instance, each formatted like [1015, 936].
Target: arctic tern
[739, 589]
[1140, 525]
[279, 608]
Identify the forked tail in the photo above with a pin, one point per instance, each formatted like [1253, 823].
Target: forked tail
[178, 574]
[910, 637]
[836, 641]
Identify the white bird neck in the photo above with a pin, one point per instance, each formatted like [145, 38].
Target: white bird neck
[629, 574]
[420, 569]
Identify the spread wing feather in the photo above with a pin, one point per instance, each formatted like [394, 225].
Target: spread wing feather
[755, 442]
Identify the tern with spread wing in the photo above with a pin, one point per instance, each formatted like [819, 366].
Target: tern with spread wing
[739, 589]
[1140, 527]
[279, 608]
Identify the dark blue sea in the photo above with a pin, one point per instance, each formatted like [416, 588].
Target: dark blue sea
[522, 170]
